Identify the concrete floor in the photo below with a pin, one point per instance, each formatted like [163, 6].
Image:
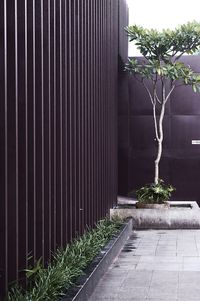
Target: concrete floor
[154, 265]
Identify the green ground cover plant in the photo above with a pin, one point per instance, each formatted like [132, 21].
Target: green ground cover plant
[154, 193]
[68, 264]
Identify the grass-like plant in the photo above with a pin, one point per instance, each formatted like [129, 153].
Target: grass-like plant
[68, 264]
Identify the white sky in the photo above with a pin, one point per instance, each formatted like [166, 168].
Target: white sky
[160, 14]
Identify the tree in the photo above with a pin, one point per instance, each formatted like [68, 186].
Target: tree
[161, 51]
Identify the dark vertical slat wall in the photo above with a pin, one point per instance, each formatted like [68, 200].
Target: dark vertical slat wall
[58, 124]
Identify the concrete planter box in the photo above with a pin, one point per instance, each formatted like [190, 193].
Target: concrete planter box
[180, 215]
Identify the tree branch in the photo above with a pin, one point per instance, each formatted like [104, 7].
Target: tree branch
[170, 92]
[148, 91]
[157, 98]
[155, 122]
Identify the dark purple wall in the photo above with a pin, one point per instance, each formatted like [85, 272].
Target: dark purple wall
[58, 123]
[180, 164]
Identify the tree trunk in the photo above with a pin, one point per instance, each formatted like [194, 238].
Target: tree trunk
[160, 142]
[157, 161]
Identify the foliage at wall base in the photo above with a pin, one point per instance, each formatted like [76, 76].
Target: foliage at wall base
[52, 282]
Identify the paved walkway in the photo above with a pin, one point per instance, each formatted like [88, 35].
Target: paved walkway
[154, 265]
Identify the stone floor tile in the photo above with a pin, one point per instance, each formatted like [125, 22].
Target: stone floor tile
[106, 292]
[190, 286]
[163, 299]
[145, 266]
[117, 271]
[191, 259]
[96, 297]
[161, 259]
[129, 259]
[166, 252]
[159, 266]
[187, 298]
[163, 280]
[162, 292]
[128, 267]
[136, 282]
[162, 285]
[163, 267]
[165, 277]
[189, 293]
[139, 274]
[170, 243]
[111, 282]
[143, 252]
[188, 277]
[134, 292]
[191, 267]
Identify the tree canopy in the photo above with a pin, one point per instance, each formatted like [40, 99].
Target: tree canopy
[163, 49]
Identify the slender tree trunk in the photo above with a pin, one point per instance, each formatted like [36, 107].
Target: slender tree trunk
[158, 124]
[160, 142]
[157, 161]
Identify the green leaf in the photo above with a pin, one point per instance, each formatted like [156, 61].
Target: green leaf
[194, 88]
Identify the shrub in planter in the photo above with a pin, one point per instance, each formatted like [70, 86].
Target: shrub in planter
[154, 194]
